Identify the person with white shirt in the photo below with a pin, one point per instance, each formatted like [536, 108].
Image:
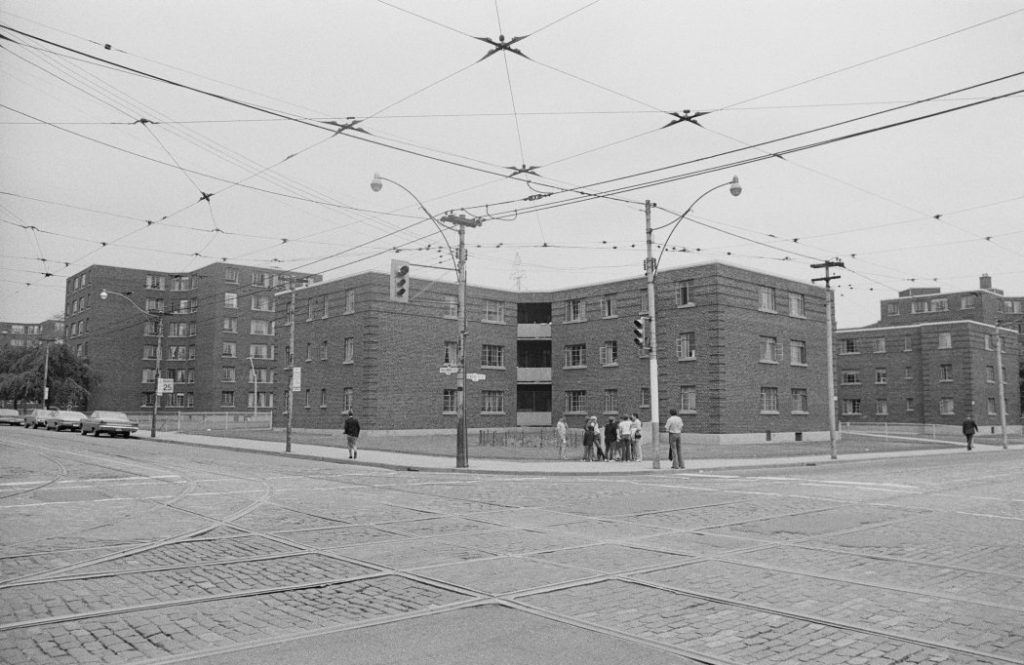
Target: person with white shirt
[674, 427]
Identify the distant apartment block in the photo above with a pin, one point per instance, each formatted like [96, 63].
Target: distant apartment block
[27, 335]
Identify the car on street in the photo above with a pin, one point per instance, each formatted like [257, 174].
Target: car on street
[11, 417]
[36, 418]
[108, 422]
[59, 419]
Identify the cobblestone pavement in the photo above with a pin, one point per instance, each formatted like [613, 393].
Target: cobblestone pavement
[142, 552]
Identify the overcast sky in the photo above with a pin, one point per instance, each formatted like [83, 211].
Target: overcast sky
[168, 135]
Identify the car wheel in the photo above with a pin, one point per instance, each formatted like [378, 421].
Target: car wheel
[96, 432]
[83, 432]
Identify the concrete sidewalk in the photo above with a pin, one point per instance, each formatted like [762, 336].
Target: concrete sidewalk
[414, 462]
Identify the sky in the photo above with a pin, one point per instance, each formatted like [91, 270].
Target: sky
[169, 135]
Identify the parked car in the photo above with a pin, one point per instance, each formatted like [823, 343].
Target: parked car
[36, 418]
[108, 422]
[11, 417]
[58, 420]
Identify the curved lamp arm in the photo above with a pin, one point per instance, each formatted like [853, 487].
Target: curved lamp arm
[378, 182]
[734, 188]
[104, 294]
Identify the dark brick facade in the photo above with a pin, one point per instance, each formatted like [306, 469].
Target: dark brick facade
[398, 350]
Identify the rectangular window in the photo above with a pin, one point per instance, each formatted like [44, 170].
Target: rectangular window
[149, 352]
[988, 342]
[910, 404]
[451, 353]
[227, 398]
[945, 340]
[848, 346]
[227, 374]
[851, 377]
[575, 401]
[227, 349]
[310, 309]
[608, 306]
[644, 306]
[350, 350]
[799, 396]
[796, 305]
[881, 407]
[451, 307]
[686, 346]
[448, 403]
[323, 314]
[688, 399]
[261, 279]
[230, 324]
[181, 283]
[771, 352]
[851, 407]
[575, 355]
[350, 301]
[945, 372]
[611, 401]
[492, 355]
[919, 307]
[231, 275]
[575, 310]
[149, 328]
[155, 282]
[968, 302]
[323, 398]
[645, 397]
[940, 305]
[494, 311]
[881, 375]
[908, 373]
[798, 352]
[309, 352]
[493, 401]
[908, 343]
[990, 374]
[892, 309]
[231, 301]
[767, 299]
[306, 403]
[992, 406]
[609, 353]
[878, 345]
[347, 399]
[263, 302]
[149, 375]
[177, 352]
[154, 304]
[946, 406]
[769, 400]
[261, 327]
[684, 293]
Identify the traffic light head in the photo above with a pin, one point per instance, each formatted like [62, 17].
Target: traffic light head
[399, 281]
[640, 332]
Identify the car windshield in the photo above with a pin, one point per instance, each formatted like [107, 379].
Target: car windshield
[109, 415]
[70, 414]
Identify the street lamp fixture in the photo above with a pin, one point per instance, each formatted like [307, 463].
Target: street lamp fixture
[651, 270]
[104, 294]
[459, 261]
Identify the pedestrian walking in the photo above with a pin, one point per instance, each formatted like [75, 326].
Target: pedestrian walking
[589, 438]
[970, 428]
[674, 427]
[636, 429]
[352, 434]
[563, 433]
[625, 446]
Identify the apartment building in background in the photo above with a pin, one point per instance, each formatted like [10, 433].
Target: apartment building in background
[218, 328]
[27, 335]
[933, 357]
[741, 355]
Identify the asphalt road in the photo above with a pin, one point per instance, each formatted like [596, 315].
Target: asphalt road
[132, 551]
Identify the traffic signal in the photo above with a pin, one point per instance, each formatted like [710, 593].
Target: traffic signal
[399, 281]
[640, 332]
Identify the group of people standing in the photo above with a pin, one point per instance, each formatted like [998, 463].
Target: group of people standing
[620, 439]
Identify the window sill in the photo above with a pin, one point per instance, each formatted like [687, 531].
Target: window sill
[691, 359]
[768, 362]
[769, 413]
[493, 323]
[798, 364]
[686, 412]
[348, 362]
[687, 305]
[501, 367]
[574, 367]
[492, 413]
[800, 413]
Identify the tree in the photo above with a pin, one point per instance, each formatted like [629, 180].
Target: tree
[22, 371]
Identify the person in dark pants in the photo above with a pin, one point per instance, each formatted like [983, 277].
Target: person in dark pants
[611, 439]
[352, 434]
[970, 429]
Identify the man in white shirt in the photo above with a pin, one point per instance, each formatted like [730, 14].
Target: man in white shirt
[674, 427]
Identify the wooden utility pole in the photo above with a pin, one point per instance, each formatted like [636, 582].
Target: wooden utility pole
[830, 360]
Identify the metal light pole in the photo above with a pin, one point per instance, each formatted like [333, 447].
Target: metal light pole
[651, 270]
[46, 374]
[291, 368]
[459, 259]
[104, 294]
[1000, 378]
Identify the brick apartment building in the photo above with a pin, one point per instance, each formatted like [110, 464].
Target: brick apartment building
[741, 354]
[931, 358]
[25, 335]
[218, 325]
